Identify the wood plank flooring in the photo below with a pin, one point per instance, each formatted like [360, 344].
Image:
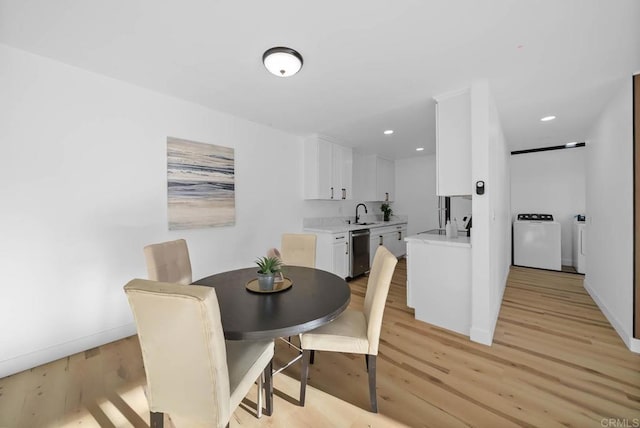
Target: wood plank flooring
[555, 361]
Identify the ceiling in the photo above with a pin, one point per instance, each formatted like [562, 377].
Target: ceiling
[369, 65]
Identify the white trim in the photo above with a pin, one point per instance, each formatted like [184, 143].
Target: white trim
[567, 262]
[629, 341]
[52, 353]
[482, 335]
[451, 94]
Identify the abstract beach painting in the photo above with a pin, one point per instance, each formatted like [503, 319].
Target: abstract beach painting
[201, 185]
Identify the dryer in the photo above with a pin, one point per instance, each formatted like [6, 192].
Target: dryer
[537, 241]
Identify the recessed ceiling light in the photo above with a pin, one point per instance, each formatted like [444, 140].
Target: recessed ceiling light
[281, 61]
[388, 132]
[419, 149]
[547, 118]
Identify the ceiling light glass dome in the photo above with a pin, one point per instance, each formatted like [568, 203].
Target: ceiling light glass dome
[282, 62]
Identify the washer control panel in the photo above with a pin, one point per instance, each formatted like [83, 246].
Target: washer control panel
[535, 217]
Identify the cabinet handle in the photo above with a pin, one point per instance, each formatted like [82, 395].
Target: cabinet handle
[347, 250]
[399, 235]
[386, 196]
[381, 240]
[344, 193]
[340, 237]
[332, 193]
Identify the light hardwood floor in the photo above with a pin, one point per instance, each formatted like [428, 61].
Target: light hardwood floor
[555, 361]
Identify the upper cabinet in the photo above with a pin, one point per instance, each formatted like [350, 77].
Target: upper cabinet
[374, 178]
[453, 143]
[328, 170]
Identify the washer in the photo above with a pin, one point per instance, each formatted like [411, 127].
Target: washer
[537, 242]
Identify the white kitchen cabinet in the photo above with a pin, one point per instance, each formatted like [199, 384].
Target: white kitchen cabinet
[392, 237]
[342, 171]
[375, 241]
[385, 179]
[328, 170]
[439, 281]
[453, 143]
[374, 178]
[332, 253]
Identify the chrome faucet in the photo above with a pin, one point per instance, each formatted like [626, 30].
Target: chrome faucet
[365, 211]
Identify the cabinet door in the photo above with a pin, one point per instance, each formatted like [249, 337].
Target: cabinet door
[385, 180]
[374, 242]
[399, 246]
[341, 258]
[342, 172]
[390, 241]
[453, 144]
[364, 177]
[347, 172]
[318, 168]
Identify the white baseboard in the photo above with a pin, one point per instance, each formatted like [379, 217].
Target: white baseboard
[52, 353]
[483, 335]
[628, 339]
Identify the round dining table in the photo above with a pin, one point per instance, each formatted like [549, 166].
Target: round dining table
[315, 298]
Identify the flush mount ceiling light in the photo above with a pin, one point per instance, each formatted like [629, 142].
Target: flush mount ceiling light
[388, 132]
[419, 149]
[281, 61]
[547, 118]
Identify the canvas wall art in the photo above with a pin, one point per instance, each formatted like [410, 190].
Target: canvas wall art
[201, 185]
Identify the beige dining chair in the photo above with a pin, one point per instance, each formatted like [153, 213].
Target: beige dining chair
[355, 331]
[169, 262]
[193, 374]
[296, 249]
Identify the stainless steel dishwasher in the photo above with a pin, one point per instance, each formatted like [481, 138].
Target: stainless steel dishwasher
[359, 260]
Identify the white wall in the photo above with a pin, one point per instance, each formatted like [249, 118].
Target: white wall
[491, 233]
[551, 182]
[416, 192]
[609, 153]
[83, 189]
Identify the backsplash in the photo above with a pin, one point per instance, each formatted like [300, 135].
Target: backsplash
[320, 222]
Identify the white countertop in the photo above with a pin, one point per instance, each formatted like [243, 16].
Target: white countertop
[460, 241]
[349, 227]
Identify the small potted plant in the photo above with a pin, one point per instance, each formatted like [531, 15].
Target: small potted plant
[387, 212]
[269, 266]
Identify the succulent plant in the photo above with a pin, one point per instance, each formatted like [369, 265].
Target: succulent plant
[269, 265]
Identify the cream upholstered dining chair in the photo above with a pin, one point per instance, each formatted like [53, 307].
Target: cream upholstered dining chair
[296, 249]
[354, 331]
[169, 262]
[193, 374]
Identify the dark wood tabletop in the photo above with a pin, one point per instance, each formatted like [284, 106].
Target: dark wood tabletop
[315, 298]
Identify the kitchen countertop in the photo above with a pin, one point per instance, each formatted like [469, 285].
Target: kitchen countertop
[349, 227]
[460, 241]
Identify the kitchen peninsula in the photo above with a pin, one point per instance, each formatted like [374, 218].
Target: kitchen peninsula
[439, 280]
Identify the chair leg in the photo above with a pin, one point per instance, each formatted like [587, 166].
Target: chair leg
[156, 419]
[371, 367]
[313, 357]
[268, 388]
[304, 373]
